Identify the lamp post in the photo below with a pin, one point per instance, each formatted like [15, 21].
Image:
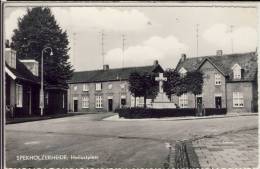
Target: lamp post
[41, 91]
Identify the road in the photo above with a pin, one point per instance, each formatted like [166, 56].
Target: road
[112, 143]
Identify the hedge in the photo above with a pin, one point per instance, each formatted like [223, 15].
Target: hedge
[137, 113]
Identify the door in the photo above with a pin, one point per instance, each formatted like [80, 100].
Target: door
[110, 104]
[218, 102]
[75, 105]
[199, 101]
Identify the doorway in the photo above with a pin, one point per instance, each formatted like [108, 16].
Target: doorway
[218, 102]
[199, 101]
[110, 104]
[75, 105]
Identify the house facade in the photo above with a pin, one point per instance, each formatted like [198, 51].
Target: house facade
[229, 81]
[105, 90]
[22, 89]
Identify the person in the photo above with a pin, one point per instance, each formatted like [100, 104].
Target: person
[203, 110]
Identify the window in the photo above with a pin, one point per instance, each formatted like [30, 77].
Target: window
[63, 101]
[99, 102]
[75, 87]
[85, 87]
[236, 71]
[110, 86]
[98, 86]
[238, 99]
[85, 102]
[47, 98]
[217, 79]
[19, 95]
[122, 86]
[183, 101]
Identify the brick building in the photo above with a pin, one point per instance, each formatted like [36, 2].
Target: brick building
[104, 90]
[230, 81]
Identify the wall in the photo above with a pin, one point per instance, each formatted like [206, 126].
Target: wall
[244, 87]
[115, 93]
[210, 90]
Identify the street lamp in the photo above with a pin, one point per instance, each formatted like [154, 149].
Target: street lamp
[41, 91]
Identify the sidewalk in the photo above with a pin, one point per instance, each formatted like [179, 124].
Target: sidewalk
[116, 117]
[37, 118]
[231, 150]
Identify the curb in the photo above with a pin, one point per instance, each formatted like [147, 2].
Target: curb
[177, 118]
[185, 156]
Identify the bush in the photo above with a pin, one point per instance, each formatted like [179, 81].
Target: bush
[214, 111]
[138, 113]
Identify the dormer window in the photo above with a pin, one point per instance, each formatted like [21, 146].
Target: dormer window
[183, 72]
[236, 71]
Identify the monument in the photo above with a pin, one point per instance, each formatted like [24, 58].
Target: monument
[162, 101]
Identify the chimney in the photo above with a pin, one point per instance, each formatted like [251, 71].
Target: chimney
[105, 67]
[32, 65]
[10, 57]
[155, 62]
[219, 52]
[183, 57]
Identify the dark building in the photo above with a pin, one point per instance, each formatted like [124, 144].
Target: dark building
[22, 89]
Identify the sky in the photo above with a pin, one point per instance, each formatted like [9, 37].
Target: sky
[151, 33]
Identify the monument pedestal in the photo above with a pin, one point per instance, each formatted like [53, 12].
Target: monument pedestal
[162, 102]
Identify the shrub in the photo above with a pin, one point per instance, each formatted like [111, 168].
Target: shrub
[138, 113]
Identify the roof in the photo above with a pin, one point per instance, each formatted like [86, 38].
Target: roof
[224, 63]
[21, 72]
[110, 74]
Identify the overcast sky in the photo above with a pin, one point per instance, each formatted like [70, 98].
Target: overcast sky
[161, 33]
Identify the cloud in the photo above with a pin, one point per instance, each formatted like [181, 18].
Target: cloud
[12, 21]
[220, 35]
[80, 19]
[156, 47]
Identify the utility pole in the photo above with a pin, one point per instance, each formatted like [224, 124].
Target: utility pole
[123, 48]
[231, 38]
[102, 47]
[197, 36]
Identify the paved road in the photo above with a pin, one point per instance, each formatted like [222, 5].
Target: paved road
[230, 150]
[116, 144]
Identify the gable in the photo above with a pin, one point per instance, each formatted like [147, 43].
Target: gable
[236, 67]
[208, 65]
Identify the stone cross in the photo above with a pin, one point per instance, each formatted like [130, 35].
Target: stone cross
[161, 79]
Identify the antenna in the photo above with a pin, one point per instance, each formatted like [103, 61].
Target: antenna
[123, 48]
[102, 47]
[197, 36]
[73, 50]
[231, 38]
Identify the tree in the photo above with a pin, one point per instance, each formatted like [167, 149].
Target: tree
[143, 85]
[37, 30]
[175, 84]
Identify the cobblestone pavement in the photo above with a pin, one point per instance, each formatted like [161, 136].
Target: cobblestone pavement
[231, 150]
